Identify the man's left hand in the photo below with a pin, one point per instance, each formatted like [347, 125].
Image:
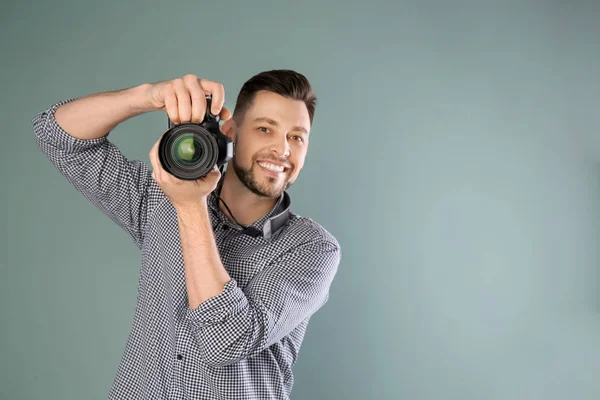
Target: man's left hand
[182, 194]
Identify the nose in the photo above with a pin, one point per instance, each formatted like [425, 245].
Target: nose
[281, 147]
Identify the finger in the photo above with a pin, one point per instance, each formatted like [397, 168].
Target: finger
[225, 114]
[212, 176]
[155, 162]
[184, 103]
[218, 94]
[214, 173]
[197, 97]
[162, 175]
[171, 105]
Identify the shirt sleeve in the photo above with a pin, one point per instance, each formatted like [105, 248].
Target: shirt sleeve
[95, 167]
[238, 323]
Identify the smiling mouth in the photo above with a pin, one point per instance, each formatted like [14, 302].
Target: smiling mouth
[276, 168]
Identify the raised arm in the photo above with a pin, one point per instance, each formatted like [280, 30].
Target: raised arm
[73, 135]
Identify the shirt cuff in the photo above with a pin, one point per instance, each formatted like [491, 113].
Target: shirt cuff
[219, 308]
[54, 134]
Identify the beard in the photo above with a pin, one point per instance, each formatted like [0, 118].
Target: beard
[270, 188]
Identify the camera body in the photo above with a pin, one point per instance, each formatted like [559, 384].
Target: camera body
[189, 151]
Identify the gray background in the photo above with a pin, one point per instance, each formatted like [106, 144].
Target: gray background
[455, 155]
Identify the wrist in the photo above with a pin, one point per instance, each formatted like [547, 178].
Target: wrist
[192, 208]
[193, 218]
[137, 99]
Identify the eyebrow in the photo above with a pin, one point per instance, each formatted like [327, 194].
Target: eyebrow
[274, 123]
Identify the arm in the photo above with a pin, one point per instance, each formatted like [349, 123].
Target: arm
[230, 324]
[205, 275]
[93, 116]
[73, 135]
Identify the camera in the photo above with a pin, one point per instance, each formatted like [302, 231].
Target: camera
[189, 151]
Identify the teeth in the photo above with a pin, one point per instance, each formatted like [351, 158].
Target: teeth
[271, 167]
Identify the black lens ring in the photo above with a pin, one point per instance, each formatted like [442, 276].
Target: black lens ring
[207, 162]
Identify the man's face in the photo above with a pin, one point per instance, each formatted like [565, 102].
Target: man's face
[271, 143]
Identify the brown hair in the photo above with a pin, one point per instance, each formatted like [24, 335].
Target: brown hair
[285, 82]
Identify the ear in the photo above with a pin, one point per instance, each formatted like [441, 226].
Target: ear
[229, 129]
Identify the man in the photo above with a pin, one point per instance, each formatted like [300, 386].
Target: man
[220, 313]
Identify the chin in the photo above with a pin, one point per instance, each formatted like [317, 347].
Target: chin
[272, 187]
[262, 182]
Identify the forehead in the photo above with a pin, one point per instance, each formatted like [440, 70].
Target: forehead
[284, 111]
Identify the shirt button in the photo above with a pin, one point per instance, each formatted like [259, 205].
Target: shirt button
[179, 357]
[225, 227]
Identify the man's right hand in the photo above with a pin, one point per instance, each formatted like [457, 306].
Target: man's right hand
[183, 99]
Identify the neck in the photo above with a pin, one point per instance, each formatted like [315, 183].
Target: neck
[247, 207]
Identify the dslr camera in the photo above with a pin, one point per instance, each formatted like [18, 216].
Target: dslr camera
[189, 151]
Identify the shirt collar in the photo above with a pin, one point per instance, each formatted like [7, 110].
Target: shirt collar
[267, 225]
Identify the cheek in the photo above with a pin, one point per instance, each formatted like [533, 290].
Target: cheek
[243, 153]
[242, 159]
[299, 162]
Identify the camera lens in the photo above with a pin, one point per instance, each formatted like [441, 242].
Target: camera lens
[188, 152]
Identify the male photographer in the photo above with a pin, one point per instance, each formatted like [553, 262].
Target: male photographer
[230, 276]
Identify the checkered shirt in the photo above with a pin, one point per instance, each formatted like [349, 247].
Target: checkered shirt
[240, 344]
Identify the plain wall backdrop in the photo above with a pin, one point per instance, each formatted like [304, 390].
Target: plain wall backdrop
[454, 154]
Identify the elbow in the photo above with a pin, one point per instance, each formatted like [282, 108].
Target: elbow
[41, 136]
[230, 338]
[39, 121]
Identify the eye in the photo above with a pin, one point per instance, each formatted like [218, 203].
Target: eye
[298, 138]
[263, 129]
